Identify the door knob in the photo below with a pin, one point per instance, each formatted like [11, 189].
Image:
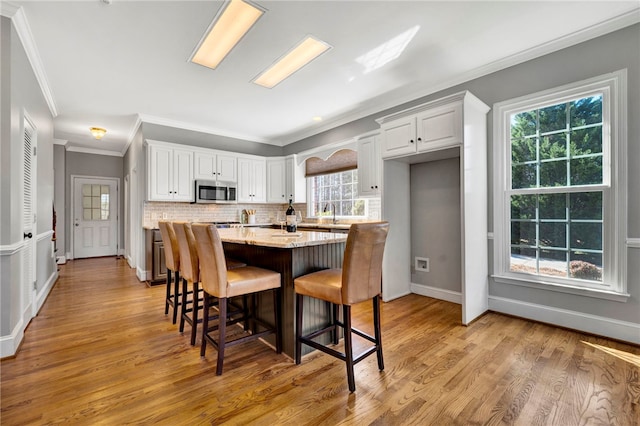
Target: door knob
[27, 235]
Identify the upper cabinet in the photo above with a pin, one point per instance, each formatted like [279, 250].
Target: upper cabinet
[215, 166]
[295, 181]
[285, 180]
[252, 180]
[421, 129]
[369, 176]
[170, 172]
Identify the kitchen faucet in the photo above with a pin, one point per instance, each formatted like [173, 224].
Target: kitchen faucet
[333, 210]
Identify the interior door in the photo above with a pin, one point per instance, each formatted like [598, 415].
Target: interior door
[95, 228]
[29, 207]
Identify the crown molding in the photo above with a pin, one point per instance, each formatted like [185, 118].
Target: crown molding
[132, 134]
[62, 142]
[195, 128]
[600, 29]
[94, 151]
[26, 37]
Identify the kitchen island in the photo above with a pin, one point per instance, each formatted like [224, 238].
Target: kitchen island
[292, 255]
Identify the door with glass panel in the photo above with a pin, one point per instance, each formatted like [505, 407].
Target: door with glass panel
[95, 228]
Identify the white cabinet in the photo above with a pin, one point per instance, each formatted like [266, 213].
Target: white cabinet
[452, 127]
[369, 165]
[170, 173]
[251, 180]
[421, 129]
[212, 165]
[285, 180]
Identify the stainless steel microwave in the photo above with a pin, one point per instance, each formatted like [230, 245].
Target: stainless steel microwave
[209, 191]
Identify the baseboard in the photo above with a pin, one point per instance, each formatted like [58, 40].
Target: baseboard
[437, 293]
[61, 260]
[9, 344]
[44, 293]
[601, 326]
[142, 275]
[395, 296]
[129, 261]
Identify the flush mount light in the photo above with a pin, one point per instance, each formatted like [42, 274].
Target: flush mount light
[317, 118]
[97, 132]
[230, 24]
[303, 53]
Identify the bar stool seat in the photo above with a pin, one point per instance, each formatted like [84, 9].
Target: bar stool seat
[218, 281]
[359, 279]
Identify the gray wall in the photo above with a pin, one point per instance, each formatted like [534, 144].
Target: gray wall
[608, 53]
[82, 164]
[21, 93]
[435, 223]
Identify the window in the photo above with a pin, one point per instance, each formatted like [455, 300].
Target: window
[95, 202]
[560, 185]
[337, 191]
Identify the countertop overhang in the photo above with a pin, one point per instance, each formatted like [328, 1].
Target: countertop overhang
[275, 238]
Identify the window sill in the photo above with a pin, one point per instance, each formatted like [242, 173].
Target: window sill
[580, 291]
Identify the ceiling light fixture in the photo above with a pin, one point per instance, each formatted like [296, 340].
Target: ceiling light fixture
[231, 23]
[97, 132]
[303, 53]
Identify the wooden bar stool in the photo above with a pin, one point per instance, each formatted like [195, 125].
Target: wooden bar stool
[219, 282]
[359, 279]
[172, 261]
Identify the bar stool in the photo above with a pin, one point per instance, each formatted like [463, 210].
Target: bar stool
[190, 267]
[172, 262]
[359, 279]
[219, 282]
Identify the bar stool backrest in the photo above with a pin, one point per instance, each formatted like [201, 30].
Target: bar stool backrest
[213, 268]
[189, 265]
[170, 242]
[362, 264]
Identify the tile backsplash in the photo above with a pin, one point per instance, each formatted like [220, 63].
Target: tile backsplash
[265, 213]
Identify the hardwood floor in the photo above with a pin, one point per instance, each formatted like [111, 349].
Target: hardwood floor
[101, 351]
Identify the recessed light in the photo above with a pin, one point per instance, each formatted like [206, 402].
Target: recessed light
[303, 53]
[229, 25]
[317, 118]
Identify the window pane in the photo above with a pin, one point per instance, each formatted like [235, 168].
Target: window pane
[553, 234]
[523, 233]
[523, 124]
[586, 266]
[553, 146]
[586, 111]
[553, 206]
[586, 141]
[523, 260]
[523, 206]
[586, 171]
[523, 150]
[553, 263]
[337, 191]
[86, 189]
[553, 173]
[95, 190]
[523, 176]
[586, 205]
[553, 118]
[586, 236]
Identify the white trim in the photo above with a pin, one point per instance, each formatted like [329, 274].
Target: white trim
[9, 343]
[611, 25]
[44, 235]
[602, 326]
[94, 151]
[132, 134]
[11, 249]
[23, 29]
[633, 242]
[142, 275]
[437, 293]
[62, 142]
[326, 151]
[61, 260]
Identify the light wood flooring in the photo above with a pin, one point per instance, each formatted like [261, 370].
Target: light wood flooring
[101, 351]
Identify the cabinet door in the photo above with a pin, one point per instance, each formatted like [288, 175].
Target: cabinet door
[205, 166]
[440, 128]
[245, 177]
[226, 169]
[182, 175]
[368, 167]
[295, 181]
[276, 181]
[399, 137]
[160, 187]
[259, 181]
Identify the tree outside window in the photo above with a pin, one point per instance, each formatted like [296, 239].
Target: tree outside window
[337, 191]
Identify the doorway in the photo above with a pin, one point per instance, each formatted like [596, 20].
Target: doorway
[95, 216]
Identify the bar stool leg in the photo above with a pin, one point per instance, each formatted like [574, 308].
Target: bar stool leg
[348, 348]
[205, 322]
[299, 300]
[377, 331]
[194, 312]
[166, 300]
[176, 295]
[222, 329]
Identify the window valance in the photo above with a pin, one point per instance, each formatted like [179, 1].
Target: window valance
[340, 161]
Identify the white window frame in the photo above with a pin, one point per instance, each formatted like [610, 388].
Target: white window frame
[614, 187]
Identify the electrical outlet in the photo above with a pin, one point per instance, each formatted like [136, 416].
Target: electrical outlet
[164, 215]
[422, 264]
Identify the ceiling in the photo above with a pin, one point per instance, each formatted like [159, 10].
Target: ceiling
[119, 64]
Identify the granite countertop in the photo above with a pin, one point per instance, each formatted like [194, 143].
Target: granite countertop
[324, 225]
[275, 238]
